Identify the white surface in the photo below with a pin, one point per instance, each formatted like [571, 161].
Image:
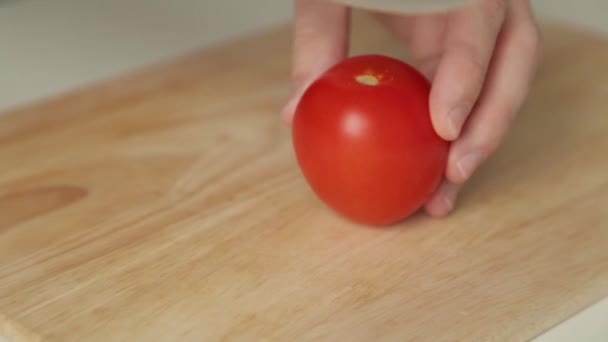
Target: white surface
[51, 46]
[591, 325]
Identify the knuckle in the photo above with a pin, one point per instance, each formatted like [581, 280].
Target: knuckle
[528, 38]
[472, 55]
[490, 144]
[474, 65]
[489, 147]
[495, 9]
[494, 136]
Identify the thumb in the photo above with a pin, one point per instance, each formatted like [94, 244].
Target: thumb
[321, 35]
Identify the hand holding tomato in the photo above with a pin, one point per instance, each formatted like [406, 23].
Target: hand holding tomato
[480, 60]
[364, 140]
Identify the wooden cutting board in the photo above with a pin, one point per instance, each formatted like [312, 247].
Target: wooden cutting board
[167, 206]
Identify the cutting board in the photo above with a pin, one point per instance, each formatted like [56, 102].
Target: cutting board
[167, 205]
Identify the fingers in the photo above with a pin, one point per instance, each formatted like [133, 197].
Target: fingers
[442, 201]
[423, 35]
[470, 39]
[514, 66]
[321, 34]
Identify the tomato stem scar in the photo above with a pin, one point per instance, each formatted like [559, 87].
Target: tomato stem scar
[368, 79]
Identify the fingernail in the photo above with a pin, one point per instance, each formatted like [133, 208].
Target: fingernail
[443, 202]
[467, 164]
[448, 203]
[449, 196]
[456, 118]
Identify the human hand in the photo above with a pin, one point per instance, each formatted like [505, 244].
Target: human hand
[480, 59]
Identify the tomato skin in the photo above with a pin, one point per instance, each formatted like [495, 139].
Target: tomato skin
[364, 140]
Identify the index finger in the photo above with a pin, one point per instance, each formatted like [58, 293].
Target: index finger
[470, 40]
[321, 35]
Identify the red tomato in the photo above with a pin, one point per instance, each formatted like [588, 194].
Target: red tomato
[364, 140]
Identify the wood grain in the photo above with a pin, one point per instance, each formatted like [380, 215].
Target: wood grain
[167, 206]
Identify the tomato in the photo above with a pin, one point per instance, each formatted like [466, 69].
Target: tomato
[364, 140]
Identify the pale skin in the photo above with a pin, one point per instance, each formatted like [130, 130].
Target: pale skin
[480, 59]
